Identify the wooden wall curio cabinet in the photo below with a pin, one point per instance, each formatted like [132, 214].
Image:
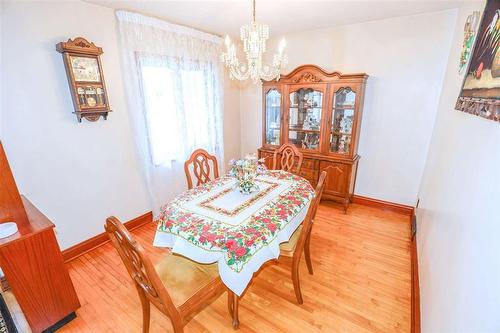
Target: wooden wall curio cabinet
[319, 113]
[83, 66]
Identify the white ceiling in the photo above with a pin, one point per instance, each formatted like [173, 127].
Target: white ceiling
[226, 16]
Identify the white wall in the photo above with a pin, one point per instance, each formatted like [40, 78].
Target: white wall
[458, 218]
[405, 58]
[77, 174]
[232, 124]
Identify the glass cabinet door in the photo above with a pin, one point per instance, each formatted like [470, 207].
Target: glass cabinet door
[305, 118]
[342, 120]
[273, 117]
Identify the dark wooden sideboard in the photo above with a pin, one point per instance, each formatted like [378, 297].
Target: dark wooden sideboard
[31, 259]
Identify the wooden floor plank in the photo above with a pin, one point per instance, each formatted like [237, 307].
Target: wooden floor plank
[361, 283]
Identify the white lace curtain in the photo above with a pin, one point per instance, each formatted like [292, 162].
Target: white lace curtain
[173, 79]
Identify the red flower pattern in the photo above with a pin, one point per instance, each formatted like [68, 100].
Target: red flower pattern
[241, 251]
[231, 244]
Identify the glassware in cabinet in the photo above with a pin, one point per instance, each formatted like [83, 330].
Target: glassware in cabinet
[304, 125]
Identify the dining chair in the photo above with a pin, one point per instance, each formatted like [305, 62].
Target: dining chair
[200, 161]
[290, 157]
[301, 239]
[177, 286]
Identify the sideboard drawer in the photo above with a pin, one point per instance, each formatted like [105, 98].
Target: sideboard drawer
[310, 175]
[268, 158]
[308, 163]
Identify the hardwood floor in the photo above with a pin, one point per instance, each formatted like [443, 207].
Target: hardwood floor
[361, 283]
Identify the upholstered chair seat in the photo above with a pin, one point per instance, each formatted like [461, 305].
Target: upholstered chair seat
[183, 278]
[287, 249]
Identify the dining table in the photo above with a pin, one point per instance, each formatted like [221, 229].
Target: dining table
[216, 223]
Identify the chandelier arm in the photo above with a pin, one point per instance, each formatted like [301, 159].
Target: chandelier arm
[254, 10]
[237, 73]
[270, 74]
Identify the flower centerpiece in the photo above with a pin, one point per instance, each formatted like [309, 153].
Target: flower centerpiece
[246, 171]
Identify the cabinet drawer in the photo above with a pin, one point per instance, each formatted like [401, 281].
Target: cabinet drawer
[308, 174]
[309, 164]
[268, 158]
[265, 154]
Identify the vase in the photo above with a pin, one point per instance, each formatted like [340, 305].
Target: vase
[247, 186]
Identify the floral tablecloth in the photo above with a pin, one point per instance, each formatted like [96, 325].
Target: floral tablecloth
[216, 223]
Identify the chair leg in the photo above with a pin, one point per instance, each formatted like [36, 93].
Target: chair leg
[236, 322]
[307, 255]
[146, 312]
[296, 283]
[230, 301]
[178, 328]
[177, 323]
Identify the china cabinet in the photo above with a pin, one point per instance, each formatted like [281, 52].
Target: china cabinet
[320, 113]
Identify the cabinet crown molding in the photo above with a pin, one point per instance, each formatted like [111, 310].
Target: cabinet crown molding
[316, 74]
[307, 77]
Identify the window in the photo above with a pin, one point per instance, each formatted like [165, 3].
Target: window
[180, 108]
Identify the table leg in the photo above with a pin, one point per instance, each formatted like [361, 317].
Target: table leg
[236, 322]
[230, 301]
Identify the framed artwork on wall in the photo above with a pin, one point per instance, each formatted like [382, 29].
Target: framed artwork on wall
[480, 94]
[85, 78]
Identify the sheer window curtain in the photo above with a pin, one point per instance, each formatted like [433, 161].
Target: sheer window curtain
[173, 79]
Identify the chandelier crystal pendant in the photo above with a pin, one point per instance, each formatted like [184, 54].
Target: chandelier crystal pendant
[254, 37]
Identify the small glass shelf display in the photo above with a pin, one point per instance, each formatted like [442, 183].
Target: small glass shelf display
[273, 117]
[305, 118]
[342, 121]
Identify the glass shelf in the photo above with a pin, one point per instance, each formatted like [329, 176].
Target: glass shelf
[340, 133]
[304, 130]
[305, 107]
[343, 107]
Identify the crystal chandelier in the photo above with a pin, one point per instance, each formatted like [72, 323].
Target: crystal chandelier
[253, 36]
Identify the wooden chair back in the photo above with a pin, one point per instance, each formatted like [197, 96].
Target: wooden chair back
[200, 161]
[310, 217]
[141, 270]
[290, 160]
